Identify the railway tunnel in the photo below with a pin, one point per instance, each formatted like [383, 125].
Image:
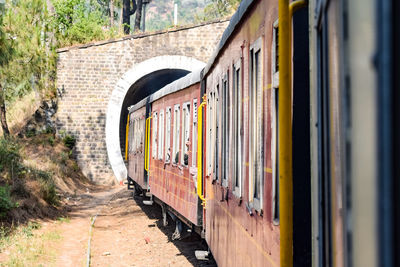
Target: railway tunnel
[142, 80]
[143, 88]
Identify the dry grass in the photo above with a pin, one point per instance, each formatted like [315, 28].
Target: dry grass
[20, 111]
[29, 246]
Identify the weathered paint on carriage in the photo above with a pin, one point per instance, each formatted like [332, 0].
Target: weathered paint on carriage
[136, 158]
[235, 237]
[173, 183]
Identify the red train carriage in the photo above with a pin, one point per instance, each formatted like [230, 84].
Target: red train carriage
[240, 166]
[169, 157]
[236, 139]
[244, 222]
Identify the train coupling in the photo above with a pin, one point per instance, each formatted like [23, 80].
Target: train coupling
[201, 255]
[148, 202]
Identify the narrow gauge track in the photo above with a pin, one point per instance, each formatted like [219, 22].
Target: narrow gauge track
[128, 233]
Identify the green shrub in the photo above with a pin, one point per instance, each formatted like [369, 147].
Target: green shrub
[64, 158]
[49, 130]
[51, 140]
[30, 133]
[9, 155]
[48, 192]
[6, 203]
[47, 186]
[28, 230]
[69, 141]
[75, 167]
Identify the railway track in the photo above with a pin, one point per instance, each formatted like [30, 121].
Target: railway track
[124, 232]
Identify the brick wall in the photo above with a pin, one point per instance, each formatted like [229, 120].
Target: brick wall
[87, 74]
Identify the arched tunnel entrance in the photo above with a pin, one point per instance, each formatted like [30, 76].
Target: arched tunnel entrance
[138, 82]
[143, 88]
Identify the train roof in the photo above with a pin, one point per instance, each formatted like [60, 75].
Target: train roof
[175, 86]
[234, 23]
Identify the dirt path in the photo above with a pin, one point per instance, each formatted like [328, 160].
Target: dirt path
[75, 233]
[125, 233]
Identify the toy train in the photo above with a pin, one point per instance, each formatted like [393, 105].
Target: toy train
[271, 151]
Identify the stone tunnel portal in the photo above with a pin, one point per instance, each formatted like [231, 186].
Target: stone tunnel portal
[138, 82]
[143, 88]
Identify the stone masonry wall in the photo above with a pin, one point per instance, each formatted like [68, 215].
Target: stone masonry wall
[87, 74]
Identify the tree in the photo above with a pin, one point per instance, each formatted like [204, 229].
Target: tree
[220, 8]
[6, 52]
[131, 7]
[26, 53]
[80, 21]
[127, 11]
[138, 18]
[108, 7]
[111, 13]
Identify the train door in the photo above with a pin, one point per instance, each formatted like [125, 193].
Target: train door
[301, 142]
[147, 141]
[331, 135]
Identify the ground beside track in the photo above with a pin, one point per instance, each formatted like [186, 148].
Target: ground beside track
[125, 233]
[132, 234]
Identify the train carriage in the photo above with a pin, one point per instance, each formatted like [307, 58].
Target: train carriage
[242, 221]
[284, 120]
[172, 176]
[170, 144]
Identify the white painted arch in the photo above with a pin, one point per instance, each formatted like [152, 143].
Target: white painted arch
[118, 95]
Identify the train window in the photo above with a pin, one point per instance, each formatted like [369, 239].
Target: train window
[168, 135]
[237, 132]
[136, 133]
[154, 138]
[161, 135]
[142, 132]
[216, 131]
[225, 130]
[256, 169]
[131, 134]
[209, 133]
[194, 134]
[213, 132]
[275, 56]
[185, 133]
[138, 137]
[175, 143]
[274, 126]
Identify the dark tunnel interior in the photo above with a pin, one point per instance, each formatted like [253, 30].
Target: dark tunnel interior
[143, 88]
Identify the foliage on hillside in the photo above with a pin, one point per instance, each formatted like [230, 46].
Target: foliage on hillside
[33, 173]
[28, 56]
[160, 14]
[80, 21]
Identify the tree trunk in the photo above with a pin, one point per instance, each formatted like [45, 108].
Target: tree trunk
[120, 25]
[127, 11]
[111, 13]
[50, 44]
[3, 119]
[138, 18]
